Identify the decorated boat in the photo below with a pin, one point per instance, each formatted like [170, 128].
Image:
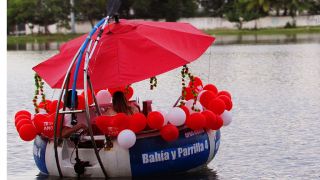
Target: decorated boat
[114, 55]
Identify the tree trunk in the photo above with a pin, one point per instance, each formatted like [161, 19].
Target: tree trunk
[285, 12]
[91, 22]
[31, 28]
[46, 30]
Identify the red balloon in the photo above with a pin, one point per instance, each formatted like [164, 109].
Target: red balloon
[186, 110]
[44, 105]
[226, 93]
[137, 122]
[211, 87]
[110, 125]
[81, 102]
[211, 119]
[20, 117]
[90, 98]
[23, 112]
[53, 106]
[121, 121]
[169, 132]
[155, 120]
[102, 122]
[189, 94]
[48, 125]
[27, 132]
[217, 106]
[206, 97]
[197, 82]
[196, 121]
[38, 121]
[219, 123]
[128, 92]
[23, 122]
[227, 101]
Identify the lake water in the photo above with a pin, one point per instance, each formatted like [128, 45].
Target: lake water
[276, 95]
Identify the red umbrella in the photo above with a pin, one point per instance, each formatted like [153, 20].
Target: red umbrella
[130, 51]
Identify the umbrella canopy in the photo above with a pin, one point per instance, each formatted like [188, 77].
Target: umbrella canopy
[128, 52]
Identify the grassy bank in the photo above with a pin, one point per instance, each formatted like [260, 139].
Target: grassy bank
[216, 32]
[41, 38]
[269, 31]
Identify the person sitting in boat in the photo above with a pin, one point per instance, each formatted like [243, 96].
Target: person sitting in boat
[120, 104]
[77, 122]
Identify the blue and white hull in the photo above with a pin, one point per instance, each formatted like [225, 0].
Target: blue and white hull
[150, 155]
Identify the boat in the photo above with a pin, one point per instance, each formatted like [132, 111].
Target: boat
[194, 133]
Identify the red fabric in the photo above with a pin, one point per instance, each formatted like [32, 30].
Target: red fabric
[133, 51]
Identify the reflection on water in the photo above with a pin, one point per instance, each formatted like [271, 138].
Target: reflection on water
[268, 39]
[275, 132]
[34, 46]
[204, 173]
[220, 40]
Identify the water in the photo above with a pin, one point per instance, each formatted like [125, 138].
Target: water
[275, 132]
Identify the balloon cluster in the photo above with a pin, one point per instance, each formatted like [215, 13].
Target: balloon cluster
[28, 126]
[211, 111]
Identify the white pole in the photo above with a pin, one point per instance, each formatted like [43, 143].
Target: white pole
[73, 28]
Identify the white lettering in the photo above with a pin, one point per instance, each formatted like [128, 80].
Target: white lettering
[145, 159]
[174, 155]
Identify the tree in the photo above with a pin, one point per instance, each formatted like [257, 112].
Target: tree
[21, 12]
[237, 12]
[170, 10]
[314, 7]
[295, 6]
[259, 7]
[214, 8]
[90, 10]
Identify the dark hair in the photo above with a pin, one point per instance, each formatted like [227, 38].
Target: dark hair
[120, 103]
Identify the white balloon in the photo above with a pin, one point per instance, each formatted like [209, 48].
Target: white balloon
[164, 114]
[103, 97]
[126, 138]
[176, 116]
[226, 117]
[189, 104]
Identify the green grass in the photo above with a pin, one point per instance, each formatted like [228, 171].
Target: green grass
[216, 32]
[269, 31]
[41, 38]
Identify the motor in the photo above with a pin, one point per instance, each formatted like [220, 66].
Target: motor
[79, 166]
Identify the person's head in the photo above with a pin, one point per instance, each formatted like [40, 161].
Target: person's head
[120, 103]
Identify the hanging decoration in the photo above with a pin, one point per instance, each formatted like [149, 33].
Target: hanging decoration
[39, 91]
[153, 82]
[188, 92]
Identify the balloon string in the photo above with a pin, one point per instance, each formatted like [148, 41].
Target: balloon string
[209, 66]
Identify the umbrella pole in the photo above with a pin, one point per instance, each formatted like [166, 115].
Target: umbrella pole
[86, 79]
[65, 85]
[94, 97]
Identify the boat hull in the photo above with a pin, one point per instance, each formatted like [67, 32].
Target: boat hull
[150, 155]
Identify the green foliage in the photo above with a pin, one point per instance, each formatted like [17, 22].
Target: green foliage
[90, 10]
[215, 8]
[40, 12]
[238, 12]
[170, 10]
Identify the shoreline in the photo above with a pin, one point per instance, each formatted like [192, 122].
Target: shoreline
[12, 39]
[265, 31]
